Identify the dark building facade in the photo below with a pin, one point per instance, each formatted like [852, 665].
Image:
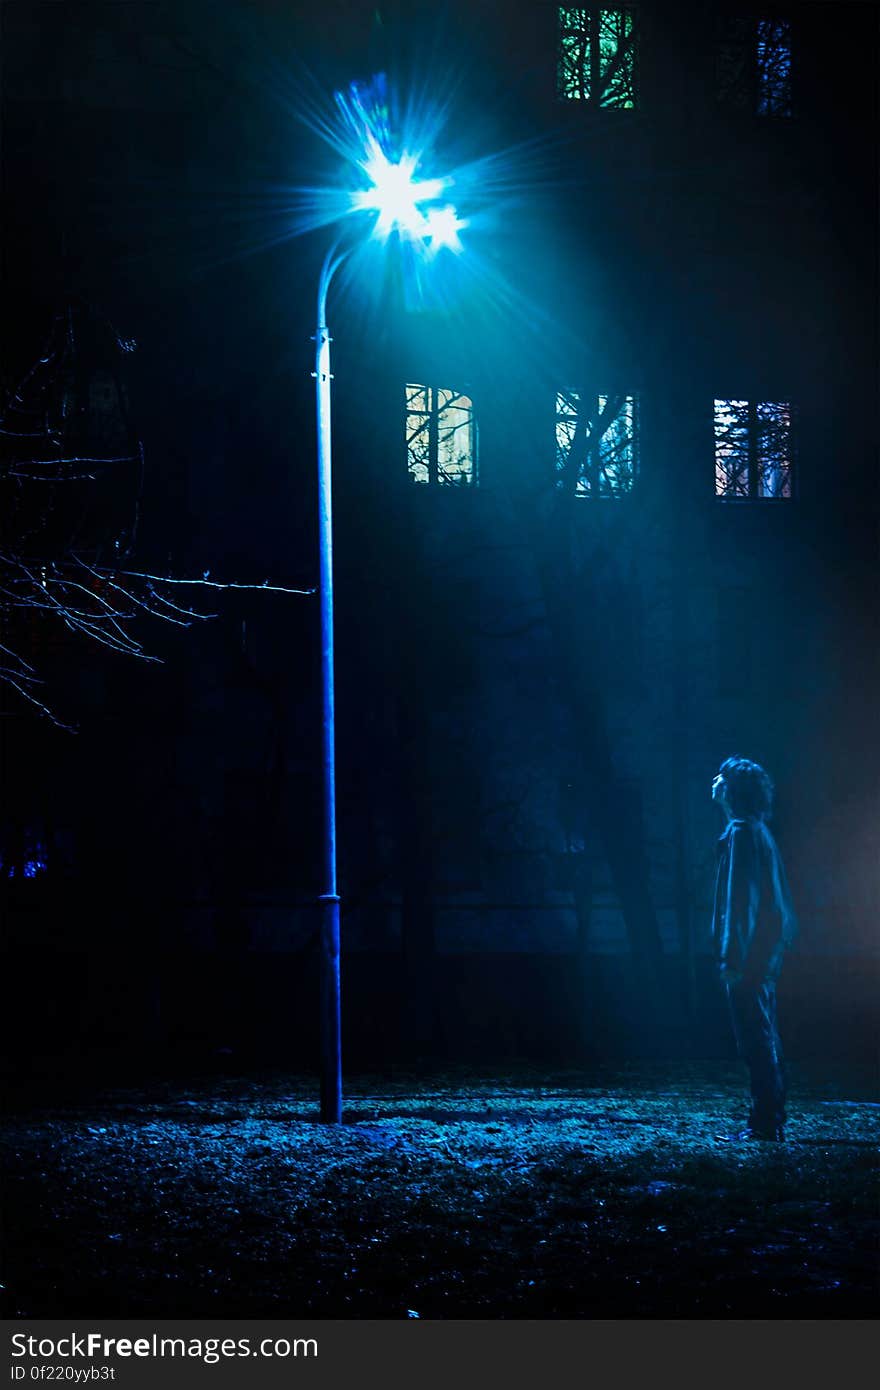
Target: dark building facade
[607, 513]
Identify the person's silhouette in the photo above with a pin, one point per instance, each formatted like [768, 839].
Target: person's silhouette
[753, 923]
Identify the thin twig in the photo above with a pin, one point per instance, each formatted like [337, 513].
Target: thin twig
[208, 583]
[32, 700]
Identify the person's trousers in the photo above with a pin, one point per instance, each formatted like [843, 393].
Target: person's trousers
[753, 1010]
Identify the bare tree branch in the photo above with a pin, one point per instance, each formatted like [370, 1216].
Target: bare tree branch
[52, 536]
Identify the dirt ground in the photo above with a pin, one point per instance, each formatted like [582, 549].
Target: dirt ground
[500, 1195]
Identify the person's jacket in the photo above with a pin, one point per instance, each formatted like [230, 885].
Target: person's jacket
[753, 921]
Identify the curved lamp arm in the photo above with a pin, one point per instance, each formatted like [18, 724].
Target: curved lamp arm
[332, 261]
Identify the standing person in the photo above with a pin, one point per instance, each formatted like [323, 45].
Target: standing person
[753, 923]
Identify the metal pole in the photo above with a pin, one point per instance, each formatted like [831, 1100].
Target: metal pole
[328, 900]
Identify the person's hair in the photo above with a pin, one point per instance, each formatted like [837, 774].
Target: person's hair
[749, 788]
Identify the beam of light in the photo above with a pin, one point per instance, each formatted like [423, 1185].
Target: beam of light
[395, 193]
[382, 137]
[403, 201]
[384, 145]
[441, 229]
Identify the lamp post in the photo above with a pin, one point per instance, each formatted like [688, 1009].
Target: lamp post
[403, 206]
[329, 986]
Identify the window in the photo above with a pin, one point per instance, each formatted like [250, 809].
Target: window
[753, 449]
[596, 58]
[440, 436]
[597, 441]
[754, 65]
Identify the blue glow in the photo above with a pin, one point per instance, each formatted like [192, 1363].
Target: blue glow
[403, 201]
[442, 226]
[383, 139]
[774, 67]
[395, 193]
[28, 858]
[31, 868]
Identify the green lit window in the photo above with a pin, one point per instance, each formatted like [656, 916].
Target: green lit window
[754, 65]
[596, 57]
[753, 450]
[441, 436]
[597, 443]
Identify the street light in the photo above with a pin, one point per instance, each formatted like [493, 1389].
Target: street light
[411, 209]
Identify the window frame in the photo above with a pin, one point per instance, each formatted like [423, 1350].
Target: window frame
[433, 414]
[594, 13]
[593, 399]
[753, 461]
[747, 101]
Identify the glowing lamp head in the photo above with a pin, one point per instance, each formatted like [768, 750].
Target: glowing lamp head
[402, 201]
[441, 229]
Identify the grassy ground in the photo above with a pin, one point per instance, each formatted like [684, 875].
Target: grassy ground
[468, 1195]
